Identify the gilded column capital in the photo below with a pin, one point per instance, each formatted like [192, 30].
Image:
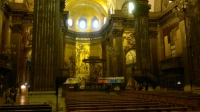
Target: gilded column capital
[142, 8]
[153, 34]
[17, 28]
[117, 32]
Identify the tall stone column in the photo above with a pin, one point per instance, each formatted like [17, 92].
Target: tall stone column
[118, 33]
[7, 35]
[141, 34]
[2, 27]
[15, 55]
[107, 57]
[160, 52]
[46, 44]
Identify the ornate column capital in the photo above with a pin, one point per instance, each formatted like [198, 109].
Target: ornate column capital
[117, 32]
[153, 34]
[17, 28]
[142, 8]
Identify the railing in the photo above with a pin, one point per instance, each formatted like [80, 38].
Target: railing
[144, 73]
[174, 55]
[172, 62]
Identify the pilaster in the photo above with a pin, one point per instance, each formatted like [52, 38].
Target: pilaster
[15, 54]
[120, 56]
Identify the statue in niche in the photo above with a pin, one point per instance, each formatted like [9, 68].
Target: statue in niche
[98, 70]
[29, 37]
[71, 65]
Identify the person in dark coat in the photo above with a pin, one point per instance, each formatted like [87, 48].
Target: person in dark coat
[107, 88]
[13, 93]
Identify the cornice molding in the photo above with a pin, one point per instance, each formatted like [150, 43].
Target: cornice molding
[127, 22]
[100, 33]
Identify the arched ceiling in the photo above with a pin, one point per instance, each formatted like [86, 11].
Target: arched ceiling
[88, 9]
[104, 4]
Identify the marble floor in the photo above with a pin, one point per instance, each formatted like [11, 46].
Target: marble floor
[40, 97]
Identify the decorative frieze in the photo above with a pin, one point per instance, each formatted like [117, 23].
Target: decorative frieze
[130, 40]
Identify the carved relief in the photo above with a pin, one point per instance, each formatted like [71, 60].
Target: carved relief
[29, 4]
[71, 64]
[29, 37]
[130, 42]
[114, 52]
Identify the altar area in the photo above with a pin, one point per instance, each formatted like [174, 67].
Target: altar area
[77, 84]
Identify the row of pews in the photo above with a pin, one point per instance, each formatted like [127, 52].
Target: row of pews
[176, 98]
[26, 108]
[103, 102]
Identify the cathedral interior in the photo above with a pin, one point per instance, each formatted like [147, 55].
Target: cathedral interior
[152, 43]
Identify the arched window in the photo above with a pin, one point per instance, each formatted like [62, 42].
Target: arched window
[70, 22]
[104, 20]
[95, 23]
[82, 23]
[111, 10]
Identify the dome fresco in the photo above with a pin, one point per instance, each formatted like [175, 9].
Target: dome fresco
[93, 12]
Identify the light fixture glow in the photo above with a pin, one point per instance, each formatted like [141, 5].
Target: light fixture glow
[23, 86]
[178, 82]
[130, 7]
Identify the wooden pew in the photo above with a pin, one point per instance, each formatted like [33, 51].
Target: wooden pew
[117, 107]
[104, 102]
[136, 110]
[24, 105]
[193, 102]
[26, 108]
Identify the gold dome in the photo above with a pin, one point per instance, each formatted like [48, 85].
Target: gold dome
[88, 9]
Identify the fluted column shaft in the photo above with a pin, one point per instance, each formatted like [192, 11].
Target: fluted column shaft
[46, 38]
[141, 34]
